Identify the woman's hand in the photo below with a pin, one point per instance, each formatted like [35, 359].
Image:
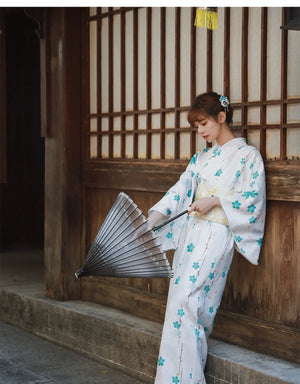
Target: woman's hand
[204, 205]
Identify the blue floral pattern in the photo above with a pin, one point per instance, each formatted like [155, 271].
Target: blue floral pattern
[190, 247]
[161, 361]
[236, 204]
[236, 172]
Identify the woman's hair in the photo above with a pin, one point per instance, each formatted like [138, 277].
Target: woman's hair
[209, 105]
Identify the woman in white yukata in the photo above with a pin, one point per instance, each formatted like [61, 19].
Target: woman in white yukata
[223, 188]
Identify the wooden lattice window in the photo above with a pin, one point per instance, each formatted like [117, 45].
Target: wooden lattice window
[145, 66]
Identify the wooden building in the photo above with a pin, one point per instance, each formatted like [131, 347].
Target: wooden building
[114, 88]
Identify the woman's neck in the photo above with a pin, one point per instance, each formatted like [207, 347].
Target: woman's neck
[225, 135]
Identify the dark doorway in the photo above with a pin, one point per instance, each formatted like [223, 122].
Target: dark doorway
[22, 195]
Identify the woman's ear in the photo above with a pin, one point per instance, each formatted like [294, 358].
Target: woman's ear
[221, 117]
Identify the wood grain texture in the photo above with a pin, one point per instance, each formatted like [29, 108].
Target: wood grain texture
[282, 179]
[264, 299]
[279, 341]
[63, 157]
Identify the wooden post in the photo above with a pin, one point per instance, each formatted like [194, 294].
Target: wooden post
[63, 156]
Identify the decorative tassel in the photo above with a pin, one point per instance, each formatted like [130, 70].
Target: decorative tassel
[206, 17]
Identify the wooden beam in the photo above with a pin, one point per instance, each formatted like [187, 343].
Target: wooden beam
[244, 108]
[209, 61]
[263, 80]
[123, 81]
[226, 85]
[193, 77]
[282, 179]
[257, 335]
[110, 81]
[135, 81]
[283, 107]
[177, 81]
[148, 82]
[99, 80]
[162, 82]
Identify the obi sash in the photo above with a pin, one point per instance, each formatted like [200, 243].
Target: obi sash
[216, 214]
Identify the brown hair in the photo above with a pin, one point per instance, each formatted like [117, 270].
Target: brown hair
[208, 104]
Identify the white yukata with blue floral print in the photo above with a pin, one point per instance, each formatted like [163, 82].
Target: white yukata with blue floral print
[204, 249]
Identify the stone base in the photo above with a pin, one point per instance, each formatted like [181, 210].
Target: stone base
[126, 342]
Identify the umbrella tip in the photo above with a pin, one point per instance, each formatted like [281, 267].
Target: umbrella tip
[80, 273]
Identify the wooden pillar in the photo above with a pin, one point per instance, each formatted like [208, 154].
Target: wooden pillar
[63, 155]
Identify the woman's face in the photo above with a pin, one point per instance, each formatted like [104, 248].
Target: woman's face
[208, 128]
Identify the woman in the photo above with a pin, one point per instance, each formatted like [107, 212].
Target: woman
[223, 188]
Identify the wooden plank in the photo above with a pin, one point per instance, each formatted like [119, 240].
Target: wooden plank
[116, 295]
[282, 180]
[282, 342]
[257, 291]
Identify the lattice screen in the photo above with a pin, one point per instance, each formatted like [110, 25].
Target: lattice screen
[146, 65]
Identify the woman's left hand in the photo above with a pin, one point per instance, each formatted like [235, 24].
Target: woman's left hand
[204, 205]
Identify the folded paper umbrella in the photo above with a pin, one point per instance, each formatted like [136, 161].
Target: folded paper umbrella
[125, 246]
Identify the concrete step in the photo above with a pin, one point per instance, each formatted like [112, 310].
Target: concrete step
[28, 359]
[126, 342]
[114, 338]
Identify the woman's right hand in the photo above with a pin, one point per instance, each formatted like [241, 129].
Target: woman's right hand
[204, 205]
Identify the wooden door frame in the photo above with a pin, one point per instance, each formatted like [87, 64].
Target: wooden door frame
[63, 215]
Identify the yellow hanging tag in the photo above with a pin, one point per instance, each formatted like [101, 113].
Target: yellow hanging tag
[206, 17]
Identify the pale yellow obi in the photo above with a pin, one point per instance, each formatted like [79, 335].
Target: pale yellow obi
[216, 214]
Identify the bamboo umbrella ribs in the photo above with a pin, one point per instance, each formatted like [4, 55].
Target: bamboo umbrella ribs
[125, 246]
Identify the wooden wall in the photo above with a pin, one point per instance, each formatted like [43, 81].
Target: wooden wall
[260, 307]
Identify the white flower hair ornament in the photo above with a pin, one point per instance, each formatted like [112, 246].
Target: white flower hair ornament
[224, 102]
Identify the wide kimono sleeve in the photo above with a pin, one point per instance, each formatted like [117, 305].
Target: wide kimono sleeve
[245, 211]
[178, 198]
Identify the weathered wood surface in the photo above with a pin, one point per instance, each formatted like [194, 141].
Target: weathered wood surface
[264, 296]
[63, 157]
[257, 335]
[282, 179]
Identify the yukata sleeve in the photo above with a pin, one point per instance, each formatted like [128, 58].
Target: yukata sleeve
[245, 211]
[177, 199]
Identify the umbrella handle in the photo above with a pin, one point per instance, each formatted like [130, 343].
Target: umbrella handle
[169, 221]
